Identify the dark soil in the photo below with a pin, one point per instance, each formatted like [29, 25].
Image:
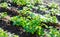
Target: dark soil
[10, 11]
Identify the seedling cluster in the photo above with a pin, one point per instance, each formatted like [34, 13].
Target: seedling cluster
[6, 34]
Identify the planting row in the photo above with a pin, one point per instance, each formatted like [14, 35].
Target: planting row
[52, 8]
[31, 22]
[35, 26]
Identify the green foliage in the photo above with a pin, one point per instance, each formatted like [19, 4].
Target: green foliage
[5, 34]
[36, 2]
[30, 26]
[19, 2]
[42, 8]
[53, 5]
[54, 11]
[40, 31]
[4, 5]
[50, 19]
[28, 14]
[25, 2]
[53, 32]
[26, 11]
[3, 14]
[34, 24]
[25, 23]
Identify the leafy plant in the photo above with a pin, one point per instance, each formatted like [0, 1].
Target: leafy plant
[32, 25]
[3, 14]
[27, 24]
[20, 2]
[40, 31]
[51, 20]
[53, 32]
[32, 22]
[53, 5]
[28, 14]
[54, 11]
[43, 8]
[36, 2]
[6, 34]
[25, 2]
[4, 5]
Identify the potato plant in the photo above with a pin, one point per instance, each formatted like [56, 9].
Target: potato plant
[19, 2]
[53, 5]
[54, 11]
[53, 32]
[4, 5]
[27, 24]
[34, 24]
[28, 14]
[4, 14]
[25, 2]
[30, 26]
[42, 8]
[6, 34]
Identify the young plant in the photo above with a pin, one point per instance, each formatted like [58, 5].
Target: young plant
[53, 32]
[20, 2]
[28, 25]
[32, 25]
[6, 34]
[32, 22]
[4, 5]
[36, 2]
[43, 8]
[3, 14]
[54, 11]
[25, 2]
[53, 5]
[50, 19]
[40, 31]
[25, 12]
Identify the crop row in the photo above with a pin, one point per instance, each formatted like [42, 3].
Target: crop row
[51, 8]
[33, 25]
[32, 22]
